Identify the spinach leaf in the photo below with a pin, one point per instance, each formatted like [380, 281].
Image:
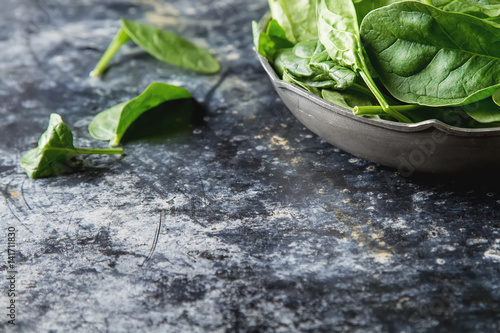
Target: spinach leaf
[309, 62]
[278, 35]
[312, 88]
[268, 43]
[484, 111]
[430, 57]
[363, 7]
[496, 97]
[112, 123]
[350, 98]
[339, 32]
[55, 147]
[297, 17]
[479, 8]
[161, 44]
[296, 59]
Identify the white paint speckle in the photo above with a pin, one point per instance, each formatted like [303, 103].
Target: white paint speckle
[421, 196]
[476, 241]
[493, 253]
[29, 104]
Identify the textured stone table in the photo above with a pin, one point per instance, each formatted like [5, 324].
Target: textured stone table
[237, 220]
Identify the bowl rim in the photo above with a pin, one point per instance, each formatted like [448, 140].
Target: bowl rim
[386, 124]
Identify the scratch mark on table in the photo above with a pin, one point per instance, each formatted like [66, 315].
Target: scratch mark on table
[8, 199]
[22, 194]
[155, 241]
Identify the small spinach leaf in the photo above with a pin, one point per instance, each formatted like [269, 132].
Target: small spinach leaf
[312, 88]
[161, 44]
[112, 123]
[430, 57]
[484, 111]
[278, 35]
[309, 62]
[349, 98]
[496, 97]
[273, 40]
[55, 147]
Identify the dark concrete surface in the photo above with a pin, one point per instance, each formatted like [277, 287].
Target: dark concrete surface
[260, 226]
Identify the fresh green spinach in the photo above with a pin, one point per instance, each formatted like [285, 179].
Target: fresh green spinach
[309, 62]
[307, 85]
[484, 111]
[479, 8]
[111, 124]
[297, 17]
[55, 147]
[496, 97]
[350, 99]
[339, 32]
[426, 59]
[270, 42]
[363, 7]
[430, 57]
[161, 44]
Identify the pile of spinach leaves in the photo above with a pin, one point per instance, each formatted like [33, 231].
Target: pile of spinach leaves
[405, 61]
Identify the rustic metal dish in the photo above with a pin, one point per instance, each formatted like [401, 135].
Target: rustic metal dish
[428, 146]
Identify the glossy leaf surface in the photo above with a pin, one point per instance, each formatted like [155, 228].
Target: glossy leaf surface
[161, 44]
[310, 63]
[112, 123]
[55, 147]
[480, 8]
[297, 17]
[171, 48]
[339, 32]
[430, 57]
[267, 44]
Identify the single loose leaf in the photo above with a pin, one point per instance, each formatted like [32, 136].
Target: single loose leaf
[426, 56]
[112, 123]
[161, 44]
[171, 48]
[55, 148]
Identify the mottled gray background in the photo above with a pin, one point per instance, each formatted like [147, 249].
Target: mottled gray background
[262, 226]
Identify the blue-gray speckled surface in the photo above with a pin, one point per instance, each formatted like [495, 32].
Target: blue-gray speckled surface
[264, 226]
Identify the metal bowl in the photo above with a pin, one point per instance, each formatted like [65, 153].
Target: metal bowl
[430, 146]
